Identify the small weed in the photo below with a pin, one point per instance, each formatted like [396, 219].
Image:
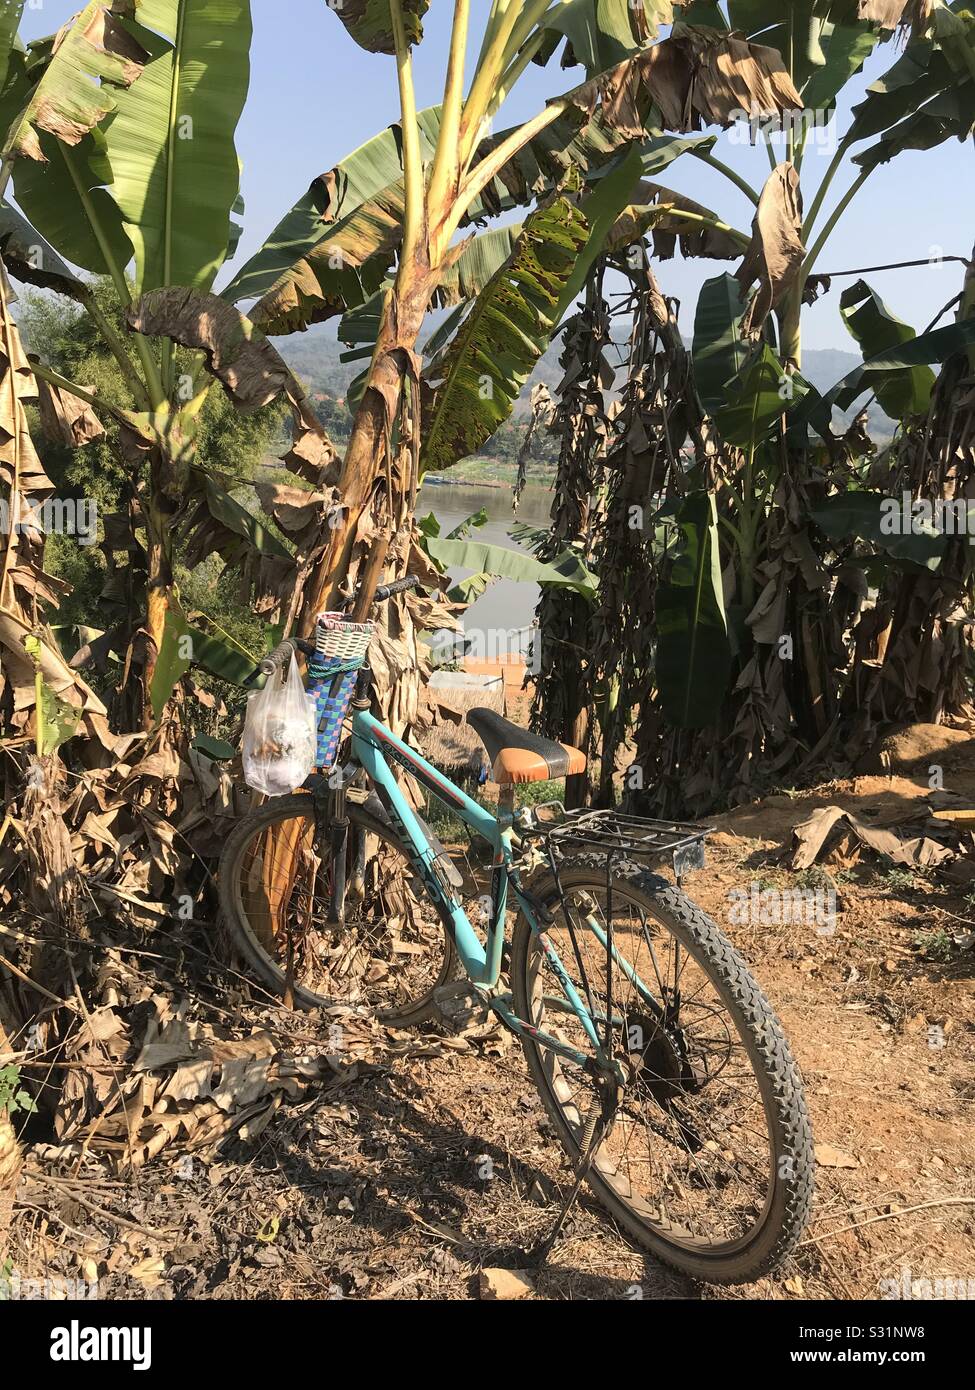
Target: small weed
[762, 884]
[898, 880]
[936, 945]
[818, 877]
[12, 1095]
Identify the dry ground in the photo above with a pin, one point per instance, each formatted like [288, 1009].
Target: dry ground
[432, 1158]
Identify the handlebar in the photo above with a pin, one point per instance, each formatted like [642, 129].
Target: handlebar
[398, 586]
[283, 653]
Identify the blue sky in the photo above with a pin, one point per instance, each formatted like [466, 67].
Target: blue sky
[315, 95]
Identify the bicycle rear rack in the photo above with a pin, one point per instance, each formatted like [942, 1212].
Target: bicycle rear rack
[618, 836]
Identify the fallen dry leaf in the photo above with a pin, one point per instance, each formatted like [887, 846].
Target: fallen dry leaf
[148, 1272]
[810, 835]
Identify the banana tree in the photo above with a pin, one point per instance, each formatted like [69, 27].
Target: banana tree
[385, 236]
[120, 153]
[784, 592]
[26, 592]
[786, 586]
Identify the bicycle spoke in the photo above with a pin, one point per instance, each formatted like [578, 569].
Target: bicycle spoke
[391, 946]
[684, 1144]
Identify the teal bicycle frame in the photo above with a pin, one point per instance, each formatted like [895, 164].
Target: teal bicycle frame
[372, 745]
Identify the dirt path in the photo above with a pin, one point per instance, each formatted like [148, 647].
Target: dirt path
[433, 1158]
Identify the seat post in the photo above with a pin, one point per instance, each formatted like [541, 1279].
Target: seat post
[506, 805]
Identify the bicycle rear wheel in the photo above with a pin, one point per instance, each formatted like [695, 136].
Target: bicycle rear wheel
[390, 954]
[708, 1162]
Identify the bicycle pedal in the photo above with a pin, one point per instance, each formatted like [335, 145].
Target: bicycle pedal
[461, 1007]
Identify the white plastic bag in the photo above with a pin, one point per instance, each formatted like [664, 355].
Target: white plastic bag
[279, 735]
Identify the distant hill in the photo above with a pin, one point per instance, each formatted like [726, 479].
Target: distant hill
[824, 367]
[315, 356]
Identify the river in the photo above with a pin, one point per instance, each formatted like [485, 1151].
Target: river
[498, 620]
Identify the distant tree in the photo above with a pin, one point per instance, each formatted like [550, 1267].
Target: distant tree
[66, 338]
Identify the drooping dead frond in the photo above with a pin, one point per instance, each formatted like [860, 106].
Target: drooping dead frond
[65, 418]
[25, 590]
[92, 53]
[697, 77]
[673, 219]
[893, 14]
[776, 252]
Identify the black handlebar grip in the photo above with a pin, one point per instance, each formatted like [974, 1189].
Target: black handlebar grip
[398, 586]
[282, 654]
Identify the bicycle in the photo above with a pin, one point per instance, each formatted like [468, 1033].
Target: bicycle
[660, 1062]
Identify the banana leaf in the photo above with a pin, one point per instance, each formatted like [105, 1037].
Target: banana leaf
[566, 571]
[601, 33]
[237, 519]
[185, 645]
[472, 386]
[333, 249]
[875, 328]
[468, 590]
[55, 721]
[927, 96]
[217, 749]
[814, 410]
[718, 352]
[948, 114]
[481, 372]
[67, 197]
[756, 405]
[176, 174]
[862, 514]
[370, 22]
[324, 219]
[482, 257]
[94, 59]
[928, 348]
[846, 48]
[9, 24]
[601, 208]
[224, 661]
[172, 661]
[693, 659]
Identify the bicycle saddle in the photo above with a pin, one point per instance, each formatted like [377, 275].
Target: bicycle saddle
[519, 756]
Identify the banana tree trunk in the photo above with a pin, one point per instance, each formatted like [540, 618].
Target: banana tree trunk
[169, 461]
[394, 371]
[159, 536]
[55, 881]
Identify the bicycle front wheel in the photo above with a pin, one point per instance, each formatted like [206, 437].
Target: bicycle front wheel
[708, 1161]
[390, 954]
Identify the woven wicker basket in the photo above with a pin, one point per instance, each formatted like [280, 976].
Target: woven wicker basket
[340, 650]
[337, 640]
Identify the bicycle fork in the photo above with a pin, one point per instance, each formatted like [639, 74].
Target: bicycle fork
[332, 821]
